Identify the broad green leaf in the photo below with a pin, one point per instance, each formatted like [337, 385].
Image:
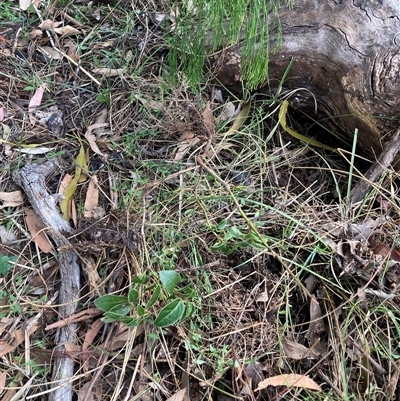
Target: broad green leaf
[133, 296]
[140, 310]
[234, 232]
[154, 297]
[121, 310]
[222, 225]
[5, 264]
[107, 319]
[170, 314]
[189, 309]
[130, 321]
[133, 323]
[107, 302]
[169, 279]
[140, 279]
[188, 292]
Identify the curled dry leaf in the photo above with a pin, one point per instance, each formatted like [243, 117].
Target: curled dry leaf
[92, 139]
[3, 376]
[289, 380]
[178, 396]
[11, 199]
[35, 228]
[51, 53]
[108, 72]
[85, 393]
[67, 30]
[36, 101]
[263, 297]
[186, 141]
[14, 337]
[49, 24]
[92, 198]
[298, 351]
[35, 34]
[208, 120]
[72, 49]
[384, 250]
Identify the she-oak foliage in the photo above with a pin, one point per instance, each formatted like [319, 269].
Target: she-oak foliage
[205, 26]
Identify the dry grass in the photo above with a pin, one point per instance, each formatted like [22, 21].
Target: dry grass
[283, 274]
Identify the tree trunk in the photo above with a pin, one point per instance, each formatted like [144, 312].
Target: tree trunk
[347, 55]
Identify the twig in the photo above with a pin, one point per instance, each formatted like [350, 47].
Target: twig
[384, 160]
[32, 179]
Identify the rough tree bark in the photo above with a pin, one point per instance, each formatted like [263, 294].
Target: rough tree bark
[347, 53]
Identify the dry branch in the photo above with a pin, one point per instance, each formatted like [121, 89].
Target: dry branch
[32, 179]
[385, 159]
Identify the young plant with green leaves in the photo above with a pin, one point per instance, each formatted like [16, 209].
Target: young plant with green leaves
[131, 311]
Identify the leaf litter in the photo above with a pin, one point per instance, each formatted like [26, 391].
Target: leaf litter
[126, 144]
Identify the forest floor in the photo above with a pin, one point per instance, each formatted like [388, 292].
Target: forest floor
[220, 258]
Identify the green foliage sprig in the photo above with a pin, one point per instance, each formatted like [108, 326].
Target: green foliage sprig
[203, 25]
[131, 311]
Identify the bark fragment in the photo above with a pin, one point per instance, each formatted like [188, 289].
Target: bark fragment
[32, 179]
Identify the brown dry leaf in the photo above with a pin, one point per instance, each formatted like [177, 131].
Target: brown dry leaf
[384, 250]
[3, 377]
[35, 228]
[67, 30]
[84, 394]
[101, 122]
[11, 199]
[120, 339]
[178, 396]
[298, 351]
[289, 380]
[72, 49]
[36, 101]
[92, 333]
[49, 24]
[9, 395]
[14, 337]
[51, 53]
[186, 141]
[263, 297]
[65, 183]
[72, 349]
[108, 72]
[35, 34]
[317, 325]
[1, 114]
[208, 120]
[84, 315]
[92, 198]
[92, 139]
[151, 104]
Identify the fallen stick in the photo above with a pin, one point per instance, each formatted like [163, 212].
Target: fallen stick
[385, 159]
[32, 179]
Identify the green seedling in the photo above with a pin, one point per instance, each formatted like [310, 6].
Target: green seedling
[132, 310]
